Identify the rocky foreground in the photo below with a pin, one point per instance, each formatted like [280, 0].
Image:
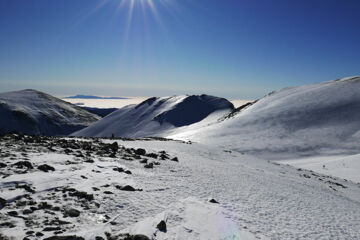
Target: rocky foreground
[28, 205]
[89, 188]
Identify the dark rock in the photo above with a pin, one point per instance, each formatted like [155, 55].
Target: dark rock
[44, 205]
[56, 208]
[2, 203]
[136, 237]
[213, 201]
[27, 211]
[114, 146]
[51, 229]
[144, 161]
[26, 187]
[140, 151]
[12, 213]
[83, 177]
[161, 226]
[126, 188]
[99, 238]
[149, 165]
[81, 195]
[7, 224]
[56, 222]
[128, 172]
[30, 232]
[39, 234]
[108, 192]
[164, 156]
[2, 165]
[136, 156]
[89, 160]
[152, 155]
[23, 164]
[46, 168]
[64, 238]
[175, 159]
[118, 169]
[72, 212]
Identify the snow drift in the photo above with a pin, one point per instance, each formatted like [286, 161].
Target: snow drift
[321, 118]
[33, 112]
[157, 116]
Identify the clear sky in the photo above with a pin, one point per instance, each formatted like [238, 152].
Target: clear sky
[232, 48]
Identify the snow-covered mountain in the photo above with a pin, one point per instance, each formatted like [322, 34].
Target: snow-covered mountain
[159, 116]
[321, 118]
[33, 112]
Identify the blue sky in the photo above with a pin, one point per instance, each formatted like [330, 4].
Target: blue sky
[239, 49]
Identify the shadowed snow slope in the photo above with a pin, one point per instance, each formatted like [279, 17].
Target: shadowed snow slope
[155, 116]
[33, 112]
[321, 118]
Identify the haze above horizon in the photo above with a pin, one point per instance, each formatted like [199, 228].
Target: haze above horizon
[233, 49]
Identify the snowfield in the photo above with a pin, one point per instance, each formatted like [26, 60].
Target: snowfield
[33, 112]
[257, 199]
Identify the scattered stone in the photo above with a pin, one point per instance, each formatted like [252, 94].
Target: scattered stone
[44, 205]
[114, 146]
[2, 203]
[12, 213]
[149, 165]
[64, 238]
[140, 151]
[118, 169]
[51, 229]
[72, 212]
[161, 226]
[81, 195]
[23, 164]
[27, 211]
[46, 168]
[7, 224]
[26, 187]
[39, 234]
[213, 201]
[136, 237]
[144, 161]
[152, 155]
[126, 188]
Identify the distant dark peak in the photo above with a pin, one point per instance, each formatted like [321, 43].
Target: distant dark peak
[193, 109]
[148, 101]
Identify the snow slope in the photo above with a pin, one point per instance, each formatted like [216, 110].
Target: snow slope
[309, 120]
[257, 199]
[34, 112]
[156, 116]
